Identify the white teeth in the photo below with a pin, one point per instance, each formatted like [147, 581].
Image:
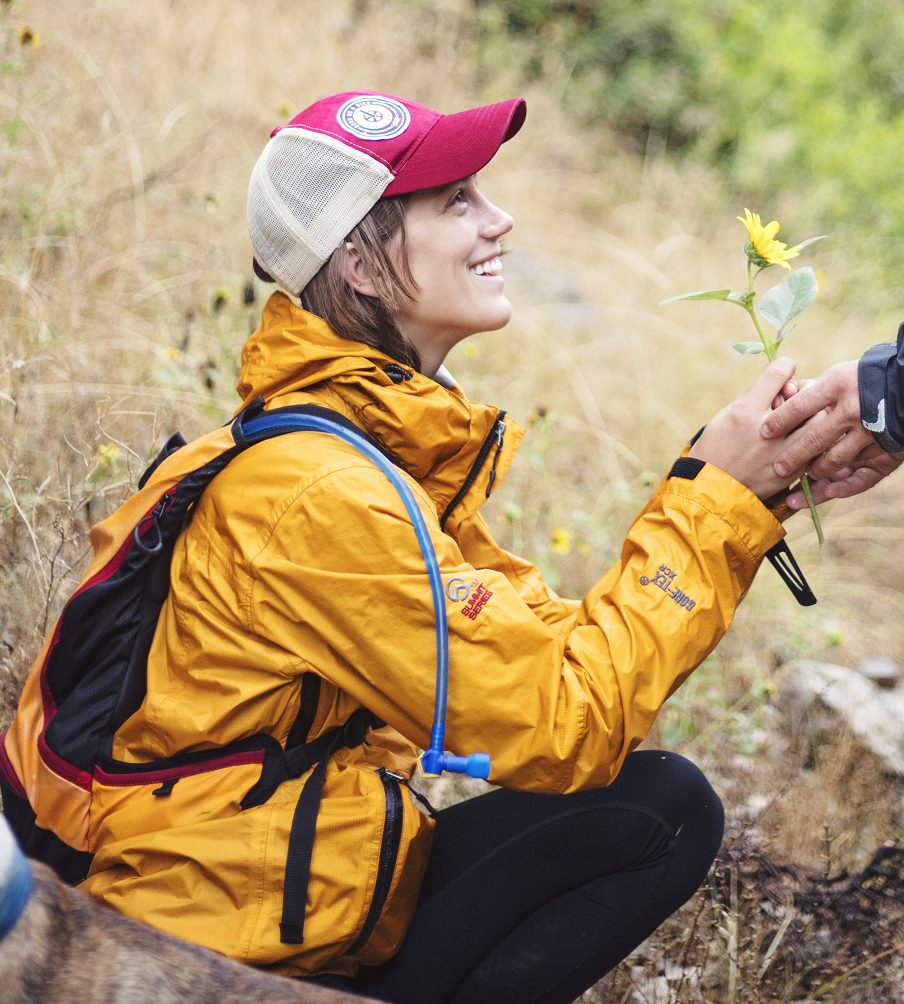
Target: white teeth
[490, 267]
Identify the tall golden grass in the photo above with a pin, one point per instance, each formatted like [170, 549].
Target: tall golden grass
[128, 136]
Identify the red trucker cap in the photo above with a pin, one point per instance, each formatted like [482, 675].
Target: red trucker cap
[323, 172]
[421, 148]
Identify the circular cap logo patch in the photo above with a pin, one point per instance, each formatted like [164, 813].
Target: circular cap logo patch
[373, 117]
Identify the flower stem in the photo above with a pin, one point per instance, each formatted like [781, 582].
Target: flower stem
[770, 347]
[814, 515]
[749, 307]
[771, 351]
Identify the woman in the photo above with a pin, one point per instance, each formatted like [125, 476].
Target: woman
[299, 598]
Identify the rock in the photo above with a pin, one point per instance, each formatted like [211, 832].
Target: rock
[876, 716]
[883, 672]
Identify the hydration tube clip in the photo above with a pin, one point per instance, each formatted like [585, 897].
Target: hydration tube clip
[154, 516]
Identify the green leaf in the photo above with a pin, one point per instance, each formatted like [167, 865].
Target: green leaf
[785, 301]
[749, 348]
[512, 512]
[707, 294]
[810, 241]
[784, 334]
[742, 299]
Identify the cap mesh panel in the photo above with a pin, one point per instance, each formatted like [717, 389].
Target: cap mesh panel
[307, 192]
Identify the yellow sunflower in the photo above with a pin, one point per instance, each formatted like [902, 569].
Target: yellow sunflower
[561, 541]
[29, 37]
[762, 248]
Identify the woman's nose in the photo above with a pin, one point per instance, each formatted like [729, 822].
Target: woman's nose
[496, 222]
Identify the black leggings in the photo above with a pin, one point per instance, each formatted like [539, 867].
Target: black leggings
[533, 898]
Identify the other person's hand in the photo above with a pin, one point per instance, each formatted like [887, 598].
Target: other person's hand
[848, 459]
[732, 440]
[866, 470]
[834, 433]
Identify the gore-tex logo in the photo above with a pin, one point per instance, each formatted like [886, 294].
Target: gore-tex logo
[665, 579]
[478, 600]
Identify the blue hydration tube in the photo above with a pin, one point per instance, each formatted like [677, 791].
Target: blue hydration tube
[432, 761]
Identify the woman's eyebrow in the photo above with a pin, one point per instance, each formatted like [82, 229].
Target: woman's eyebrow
[445, 193]
[455, 185]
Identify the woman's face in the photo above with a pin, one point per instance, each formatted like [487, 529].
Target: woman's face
[453, 237]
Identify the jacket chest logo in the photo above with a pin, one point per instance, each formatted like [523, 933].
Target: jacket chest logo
[474, 595]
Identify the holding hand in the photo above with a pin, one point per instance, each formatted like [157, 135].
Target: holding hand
[732, 440]
[848, 459]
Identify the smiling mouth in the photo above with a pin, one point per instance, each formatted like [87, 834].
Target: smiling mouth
[491, 266]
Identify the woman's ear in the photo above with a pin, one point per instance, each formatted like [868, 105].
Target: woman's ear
[353, 270]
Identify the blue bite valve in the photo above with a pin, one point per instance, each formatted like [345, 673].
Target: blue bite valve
[433, 763]
[475, 765]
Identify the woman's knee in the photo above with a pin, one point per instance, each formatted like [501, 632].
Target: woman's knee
[675, 789]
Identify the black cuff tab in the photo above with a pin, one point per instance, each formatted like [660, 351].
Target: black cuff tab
[783, 562]
[687, 467]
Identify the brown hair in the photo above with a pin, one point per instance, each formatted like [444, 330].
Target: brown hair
[380, 241]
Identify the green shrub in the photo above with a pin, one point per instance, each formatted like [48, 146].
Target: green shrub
[805, 99]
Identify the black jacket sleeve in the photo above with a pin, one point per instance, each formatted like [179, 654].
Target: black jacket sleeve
[880, 377]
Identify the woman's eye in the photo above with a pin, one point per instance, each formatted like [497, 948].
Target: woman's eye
[459, 196]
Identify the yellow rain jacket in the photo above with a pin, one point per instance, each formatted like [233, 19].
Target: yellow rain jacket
[300, 559]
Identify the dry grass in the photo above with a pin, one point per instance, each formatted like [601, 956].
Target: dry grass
[125, 296]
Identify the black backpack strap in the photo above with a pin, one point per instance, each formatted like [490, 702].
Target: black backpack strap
[291, 763]
[134, 685]
[288, 764]
[301, 850]
[175, 442]
[304, 821]
[307, 710]
[297, 761]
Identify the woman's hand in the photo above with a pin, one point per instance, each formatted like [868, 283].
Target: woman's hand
[732, 440]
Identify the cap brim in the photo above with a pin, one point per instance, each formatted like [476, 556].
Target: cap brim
[459, 145]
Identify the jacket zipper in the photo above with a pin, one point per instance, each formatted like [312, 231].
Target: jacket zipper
[494, 437]
[389, 853]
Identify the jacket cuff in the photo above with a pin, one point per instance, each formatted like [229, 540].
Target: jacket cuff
[880, 379]
[754, 526]
[777, 504]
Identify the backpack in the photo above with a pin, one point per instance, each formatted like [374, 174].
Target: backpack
[91, 673]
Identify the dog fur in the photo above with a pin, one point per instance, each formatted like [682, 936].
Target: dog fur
[65, 949]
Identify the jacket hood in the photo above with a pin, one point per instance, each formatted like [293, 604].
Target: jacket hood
[435, 432]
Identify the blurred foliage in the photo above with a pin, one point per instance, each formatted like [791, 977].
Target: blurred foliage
[804, 98]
